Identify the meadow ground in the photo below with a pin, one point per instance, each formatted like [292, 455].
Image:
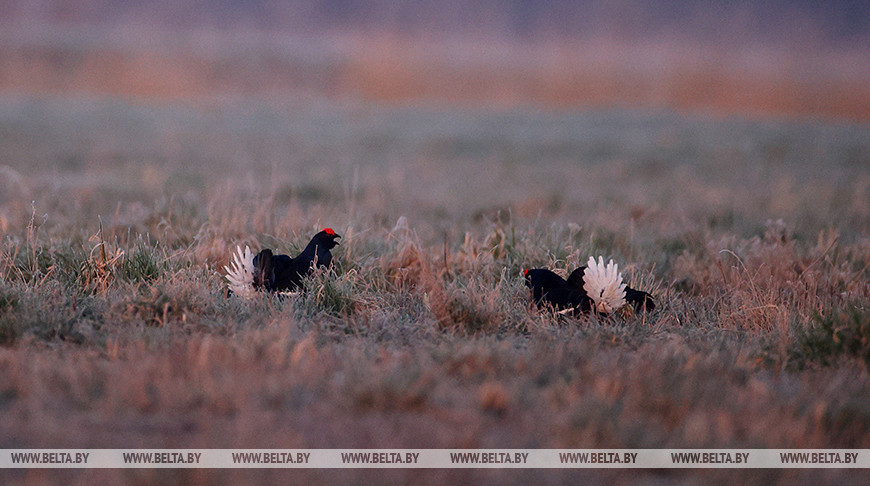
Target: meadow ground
[116, 218]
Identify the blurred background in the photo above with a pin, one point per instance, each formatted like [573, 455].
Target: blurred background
[779, 57]
[660, 116]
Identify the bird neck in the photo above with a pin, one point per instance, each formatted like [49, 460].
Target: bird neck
[310, 251]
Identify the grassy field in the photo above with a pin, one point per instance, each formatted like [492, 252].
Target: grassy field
[116, 218]
[733, 76]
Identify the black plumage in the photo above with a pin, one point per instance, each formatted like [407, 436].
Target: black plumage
[281, 273]
[548, 288]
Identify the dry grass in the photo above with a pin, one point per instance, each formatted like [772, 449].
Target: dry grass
[116, 332]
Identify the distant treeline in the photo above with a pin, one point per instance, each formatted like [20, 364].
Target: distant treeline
[843, 23]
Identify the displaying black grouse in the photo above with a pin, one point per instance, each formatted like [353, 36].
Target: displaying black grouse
[279, 273]
[595, 286]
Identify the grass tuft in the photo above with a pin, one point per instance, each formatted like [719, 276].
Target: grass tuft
[841, 332]
[9, 331]
[142, 266]
[330, 294]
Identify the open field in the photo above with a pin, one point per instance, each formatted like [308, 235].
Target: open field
[728, 77]
[116, 217]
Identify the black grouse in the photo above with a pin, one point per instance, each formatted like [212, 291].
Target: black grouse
[573, 294]
[280, 273]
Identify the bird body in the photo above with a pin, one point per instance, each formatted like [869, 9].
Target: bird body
[279, 273]
[595, 286]
[549, 288]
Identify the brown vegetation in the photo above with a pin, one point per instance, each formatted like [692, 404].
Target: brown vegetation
[116, 331]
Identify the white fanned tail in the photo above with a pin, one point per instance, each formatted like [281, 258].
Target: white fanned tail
[240, 272]
[603, 284]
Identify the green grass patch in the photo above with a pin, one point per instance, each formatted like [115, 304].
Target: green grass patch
[843, 332]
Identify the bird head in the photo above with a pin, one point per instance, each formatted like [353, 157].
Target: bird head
[327, 238]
